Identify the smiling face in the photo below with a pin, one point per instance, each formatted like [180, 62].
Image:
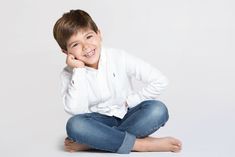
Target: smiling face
[85, 45]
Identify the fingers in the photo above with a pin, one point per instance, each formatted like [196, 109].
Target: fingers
[73, 62]
[70, 56]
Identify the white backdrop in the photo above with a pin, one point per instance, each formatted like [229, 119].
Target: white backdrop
[191, 42]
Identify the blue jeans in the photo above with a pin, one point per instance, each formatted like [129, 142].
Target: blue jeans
[113, 134]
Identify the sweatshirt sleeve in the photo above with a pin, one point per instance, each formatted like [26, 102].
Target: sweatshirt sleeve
[74, 90]
[155, 81]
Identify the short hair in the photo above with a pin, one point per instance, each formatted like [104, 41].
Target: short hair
[69, 24]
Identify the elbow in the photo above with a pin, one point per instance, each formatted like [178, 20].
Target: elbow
[73, 111]
[69, 111]
[74, 108]
[69, 106]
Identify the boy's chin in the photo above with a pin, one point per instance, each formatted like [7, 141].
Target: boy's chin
[91, 64]
[91, 61]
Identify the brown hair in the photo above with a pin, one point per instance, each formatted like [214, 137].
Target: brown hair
[69, 24]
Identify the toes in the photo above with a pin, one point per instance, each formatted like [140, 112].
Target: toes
[69, 149]
[67, 141]
[179, 143]
[176, 142]
[176, 149]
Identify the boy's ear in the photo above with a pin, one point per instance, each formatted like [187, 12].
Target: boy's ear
[64, 51]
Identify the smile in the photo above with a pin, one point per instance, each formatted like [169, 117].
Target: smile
[90, 54]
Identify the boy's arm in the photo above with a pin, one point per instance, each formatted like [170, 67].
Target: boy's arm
[155, 80]
[74, 90]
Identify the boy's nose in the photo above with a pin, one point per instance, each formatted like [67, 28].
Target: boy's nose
[86, 48]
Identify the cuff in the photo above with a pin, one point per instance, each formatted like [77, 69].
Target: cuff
[127, 144]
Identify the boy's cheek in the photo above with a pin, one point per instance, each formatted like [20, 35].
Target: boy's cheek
[77, 56]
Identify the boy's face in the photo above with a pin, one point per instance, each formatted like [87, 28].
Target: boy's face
[85, 45]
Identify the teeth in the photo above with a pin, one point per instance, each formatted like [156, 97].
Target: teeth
[89, 54]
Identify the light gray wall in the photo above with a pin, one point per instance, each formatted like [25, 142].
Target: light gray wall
[191, 42]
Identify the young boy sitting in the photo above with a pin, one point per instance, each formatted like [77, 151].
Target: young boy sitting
[107, 114]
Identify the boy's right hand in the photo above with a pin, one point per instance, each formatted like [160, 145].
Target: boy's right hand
[73, 62]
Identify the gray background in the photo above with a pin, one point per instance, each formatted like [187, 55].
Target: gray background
[191, 42]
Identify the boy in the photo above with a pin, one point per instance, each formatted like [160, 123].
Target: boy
[107, 114]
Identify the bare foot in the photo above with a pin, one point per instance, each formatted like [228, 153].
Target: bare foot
[71, 146]
[153, 144]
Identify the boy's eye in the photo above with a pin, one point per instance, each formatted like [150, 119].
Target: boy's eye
[90, 36]
[75, 45]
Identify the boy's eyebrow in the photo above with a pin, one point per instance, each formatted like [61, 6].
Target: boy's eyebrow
[91, 32]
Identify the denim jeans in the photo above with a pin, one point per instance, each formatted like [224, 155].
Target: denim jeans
[113, 134]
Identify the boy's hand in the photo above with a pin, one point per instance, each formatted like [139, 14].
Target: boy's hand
[73, 62]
